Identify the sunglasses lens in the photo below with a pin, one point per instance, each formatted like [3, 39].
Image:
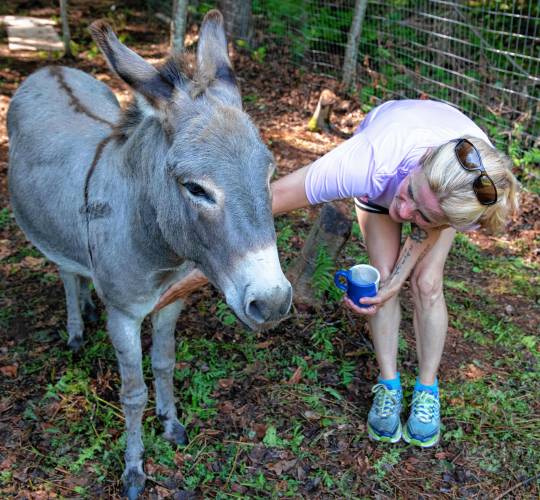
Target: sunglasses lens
[468, 155]
[485, 190]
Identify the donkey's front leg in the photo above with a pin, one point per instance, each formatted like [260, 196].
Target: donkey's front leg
[163, 360]
[125, 333]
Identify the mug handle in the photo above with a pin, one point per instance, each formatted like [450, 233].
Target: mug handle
[341, 274]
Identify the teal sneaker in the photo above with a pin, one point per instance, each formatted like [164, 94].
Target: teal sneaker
[384, 423]
[424, 425]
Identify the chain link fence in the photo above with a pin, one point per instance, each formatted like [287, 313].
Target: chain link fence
[482, 56]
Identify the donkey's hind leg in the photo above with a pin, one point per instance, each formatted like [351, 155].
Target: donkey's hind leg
[88, 308]
[75, 325]
[163, 361]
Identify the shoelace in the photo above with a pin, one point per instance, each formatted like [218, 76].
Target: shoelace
[424, 406]
[385, 400]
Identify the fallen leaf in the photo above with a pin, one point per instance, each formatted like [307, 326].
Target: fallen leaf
[282, 466]
[9, 370]
[238, 488]
[226, 383]
[296, 376]
[226, 407]
[263, 345]
[473, 372]
[260, 430]
[163, 492]
[33, 262]
[6, 463]
[5, 249]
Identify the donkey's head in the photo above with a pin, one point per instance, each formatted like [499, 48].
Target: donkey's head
[207, 170]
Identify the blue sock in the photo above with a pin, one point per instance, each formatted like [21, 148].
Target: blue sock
[392, 384]
[430, 388]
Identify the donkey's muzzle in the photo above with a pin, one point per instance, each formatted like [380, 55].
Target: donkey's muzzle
[257, 290]
[268, 306]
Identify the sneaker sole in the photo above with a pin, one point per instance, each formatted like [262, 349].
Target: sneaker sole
[384, 439]
[423, 444]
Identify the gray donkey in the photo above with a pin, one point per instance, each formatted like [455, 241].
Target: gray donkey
[134, 199]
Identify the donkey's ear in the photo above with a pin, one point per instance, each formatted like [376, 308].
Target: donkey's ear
[214, 70]
[132, 68]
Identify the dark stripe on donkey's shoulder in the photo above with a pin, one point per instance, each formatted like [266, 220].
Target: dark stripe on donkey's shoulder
[57, 73]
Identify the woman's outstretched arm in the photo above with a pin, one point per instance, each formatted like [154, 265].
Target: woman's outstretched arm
[289, 192]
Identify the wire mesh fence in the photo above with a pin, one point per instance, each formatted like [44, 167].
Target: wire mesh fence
[480, 55]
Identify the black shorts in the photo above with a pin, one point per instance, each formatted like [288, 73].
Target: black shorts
[368, 206]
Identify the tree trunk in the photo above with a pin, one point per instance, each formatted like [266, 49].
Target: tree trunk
[351, 52]
[178, 25]
[330, 232]
[66, 35]
[238, 19]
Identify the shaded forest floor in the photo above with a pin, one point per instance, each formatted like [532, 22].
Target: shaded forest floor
[280, 413]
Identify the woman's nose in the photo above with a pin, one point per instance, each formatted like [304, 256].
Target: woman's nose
[406, 210]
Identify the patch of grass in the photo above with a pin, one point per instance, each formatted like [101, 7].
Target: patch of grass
[6, 218]
[499, 413]
[384, 464]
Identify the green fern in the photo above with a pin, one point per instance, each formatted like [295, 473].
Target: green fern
[323, 276]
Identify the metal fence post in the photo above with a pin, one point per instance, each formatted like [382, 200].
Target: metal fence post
[351, 51]
[66, 35]
[178, 25]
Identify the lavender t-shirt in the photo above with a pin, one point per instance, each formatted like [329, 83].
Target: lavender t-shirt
[386, 147]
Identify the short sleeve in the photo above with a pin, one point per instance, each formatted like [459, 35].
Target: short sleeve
[344, 172]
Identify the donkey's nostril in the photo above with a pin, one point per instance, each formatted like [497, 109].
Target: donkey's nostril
[258, 311]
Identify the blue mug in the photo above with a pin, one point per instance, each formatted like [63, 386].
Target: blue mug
[359, 281]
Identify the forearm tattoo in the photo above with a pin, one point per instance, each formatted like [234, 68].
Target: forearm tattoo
[400, 263]
[418, 234]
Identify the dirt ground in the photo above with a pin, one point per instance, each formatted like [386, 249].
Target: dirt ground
[281, 413]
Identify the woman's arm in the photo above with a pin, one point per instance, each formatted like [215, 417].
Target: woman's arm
[289, 192]
[416, 246]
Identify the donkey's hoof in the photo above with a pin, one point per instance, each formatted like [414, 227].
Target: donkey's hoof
[75, 343]
[133, 484]
[133, 492]
[177, 435]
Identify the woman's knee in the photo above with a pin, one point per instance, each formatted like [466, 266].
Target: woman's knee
[384, 270]
[427, 286]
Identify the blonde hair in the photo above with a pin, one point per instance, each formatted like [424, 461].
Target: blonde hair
[452, 185]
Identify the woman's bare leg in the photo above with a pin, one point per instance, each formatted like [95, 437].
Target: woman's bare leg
[430, 314]
[383, 237]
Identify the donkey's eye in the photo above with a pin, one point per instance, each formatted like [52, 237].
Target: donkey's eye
[198, 191]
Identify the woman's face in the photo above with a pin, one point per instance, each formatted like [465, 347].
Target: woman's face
[415, 202]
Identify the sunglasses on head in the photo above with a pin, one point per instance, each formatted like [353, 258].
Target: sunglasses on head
[469, 158]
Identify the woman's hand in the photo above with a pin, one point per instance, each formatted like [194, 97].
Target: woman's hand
[181, 289]
[386, 292]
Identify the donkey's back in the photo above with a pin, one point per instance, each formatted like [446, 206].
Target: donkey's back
[56, 119]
